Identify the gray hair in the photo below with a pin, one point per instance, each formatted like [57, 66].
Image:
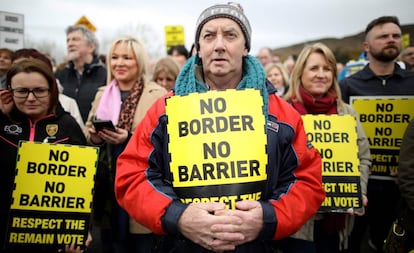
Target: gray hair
[89, 35]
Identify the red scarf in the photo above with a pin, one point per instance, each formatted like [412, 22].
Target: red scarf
[312, 105]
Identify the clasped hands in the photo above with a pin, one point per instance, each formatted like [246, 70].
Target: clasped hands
[218, 229]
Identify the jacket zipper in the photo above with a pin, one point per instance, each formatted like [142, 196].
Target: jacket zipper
[33, 127]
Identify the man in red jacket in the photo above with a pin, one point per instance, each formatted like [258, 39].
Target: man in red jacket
[194, 168]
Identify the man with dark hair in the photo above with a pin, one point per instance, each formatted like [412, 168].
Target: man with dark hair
[179, 53]
[381, 21]
[84, 73]
[382, 76]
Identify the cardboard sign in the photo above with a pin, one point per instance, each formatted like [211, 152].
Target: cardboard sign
[52, 197]
[335, 137]
[217, 145]
[11, 30]
[174, 35]
[384, 120]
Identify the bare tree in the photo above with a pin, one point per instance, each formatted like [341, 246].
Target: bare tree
[153, 44]
[152, 41]
[46, 46]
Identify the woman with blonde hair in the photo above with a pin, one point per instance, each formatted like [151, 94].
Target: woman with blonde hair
[124, 101]
[314, 89]
[165, 72]
[277, 74]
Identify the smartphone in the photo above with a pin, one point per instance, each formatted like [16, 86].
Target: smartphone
[101, 124]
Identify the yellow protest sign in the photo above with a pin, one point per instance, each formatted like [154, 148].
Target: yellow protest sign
[85, 22]
[384, 120]
[405, 40]
[52, 197]
[218, 146]
[60, 178]
[335, 138]
[174, 35]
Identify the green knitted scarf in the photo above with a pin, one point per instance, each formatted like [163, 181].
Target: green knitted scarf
[253, 77]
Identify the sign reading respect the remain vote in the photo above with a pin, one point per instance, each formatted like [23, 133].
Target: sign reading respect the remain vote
[335, 137]
[217, 146]
[52, 196]
[384, 120]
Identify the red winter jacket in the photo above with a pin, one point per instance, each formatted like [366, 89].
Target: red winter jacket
[294, 190]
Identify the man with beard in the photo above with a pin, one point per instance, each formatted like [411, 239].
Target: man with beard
[382, 76]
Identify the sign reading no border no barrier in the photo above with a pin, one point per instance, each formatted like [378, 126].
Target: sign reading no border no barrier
[217, 146]
[52, 196]
[384, 120]
[174, 35]
[335, 138]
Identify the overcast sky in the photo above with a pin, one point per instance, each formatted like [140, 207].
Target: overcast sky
[275, 23]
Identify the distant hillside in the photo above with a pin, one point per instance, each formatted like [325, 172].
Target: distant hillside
[344, 48]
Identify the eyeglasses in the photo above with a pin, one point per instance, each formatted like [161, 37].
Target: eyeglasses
[39, 92]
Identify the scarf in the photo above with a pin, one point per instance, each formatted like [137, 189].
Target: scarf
[312, 105]
[111, 107]
[126, 117]
[253, 77]
[110, 103]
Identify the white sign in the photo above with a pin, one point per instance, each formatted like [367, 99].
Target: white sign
[11, 30]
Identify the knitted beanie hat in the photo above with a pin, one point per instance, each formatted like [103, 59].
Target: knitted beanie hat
[230, 10]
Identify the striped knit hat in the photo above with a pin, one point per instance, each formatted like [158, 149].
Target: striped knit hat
[230, 10]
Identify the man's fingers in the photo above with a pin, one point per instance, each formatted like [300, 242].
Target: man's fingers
[218, 245]
[229, 236]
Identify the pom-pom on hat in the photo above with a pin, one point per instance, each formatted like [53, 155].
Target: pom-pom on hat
[230, 10]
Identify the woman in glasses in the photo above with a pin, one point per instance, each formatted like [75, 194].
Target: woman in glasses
[29, 111]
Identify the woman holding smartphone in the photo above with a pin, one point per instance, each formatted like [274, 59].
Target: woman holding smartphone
[123, 101]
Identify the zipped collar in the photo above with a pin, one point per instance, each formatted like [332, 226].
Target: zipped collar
[33, 124]
[367, 73]
[96, 62]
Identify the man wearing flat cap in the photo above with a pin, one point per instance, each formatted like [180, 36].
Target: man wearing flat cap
[221, 163]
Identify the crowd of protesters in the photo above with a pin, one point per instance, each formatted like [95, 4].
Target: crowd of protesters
[137, 206]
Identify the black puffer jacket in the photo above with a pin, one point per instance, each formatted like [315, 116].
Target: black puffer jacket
[83, 87]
